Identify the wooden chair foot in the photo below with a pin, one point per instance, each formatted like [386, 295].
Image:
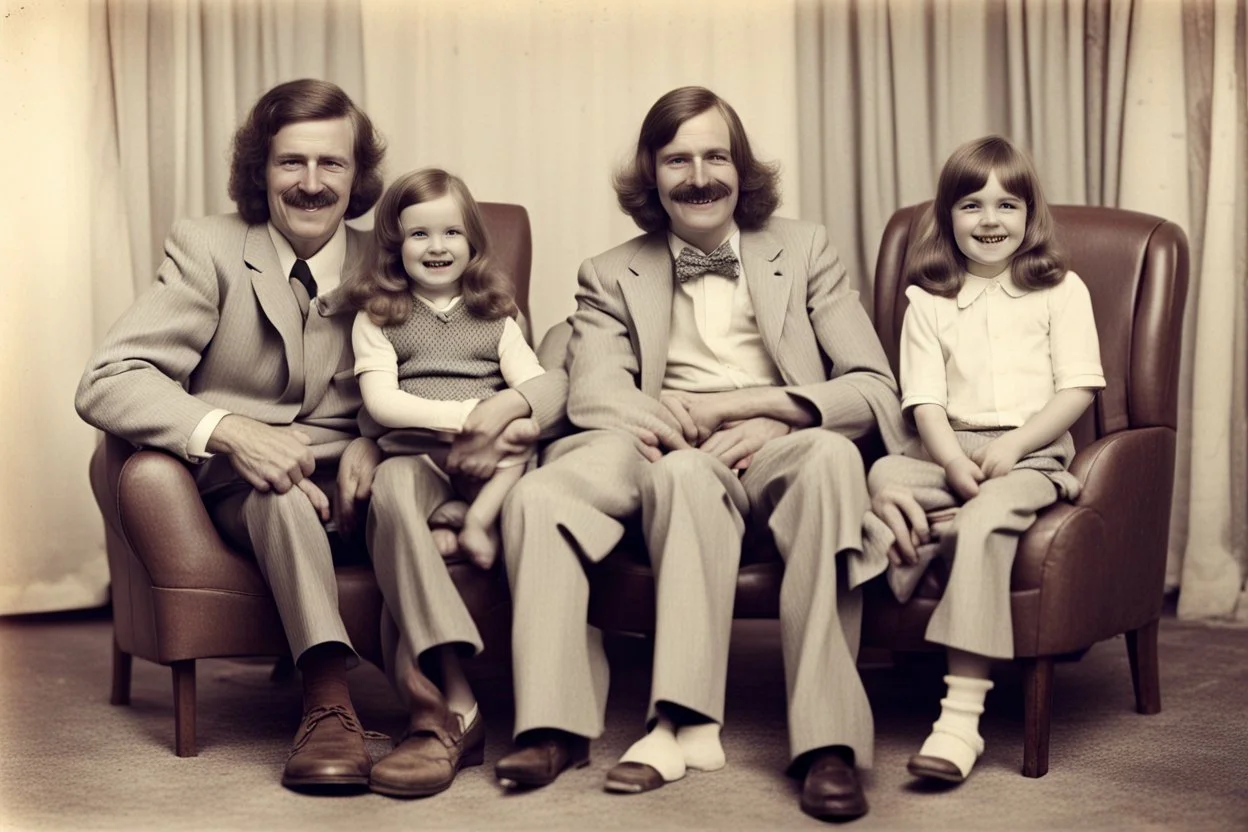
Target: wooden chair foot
[122, 661]
[1037, 709]
[184, 708]
[1145, 670]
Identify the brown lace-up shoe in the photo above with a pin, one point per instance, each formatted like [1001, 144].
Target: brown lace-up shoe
[426, 759]
[542, 756]
[328, 752]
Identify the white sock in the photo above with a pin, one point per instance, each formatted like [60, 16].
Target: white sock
[701, 746]
[659, 750]
[955, 735]
[466, 719]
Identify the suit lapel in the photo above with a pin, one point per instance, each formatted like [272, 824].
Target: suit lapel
[769, 275]
[273, 292]
[647, 293]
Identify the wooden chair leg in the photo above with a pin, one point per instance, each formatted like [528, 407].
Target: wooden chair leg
[1037, 708]
[184, 708]
[121, 676]
[1145, 670]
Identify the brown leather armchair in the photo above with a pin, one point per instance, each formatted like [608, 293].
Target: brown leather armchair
[1095, 568]
[179, 593]
[1085, 571]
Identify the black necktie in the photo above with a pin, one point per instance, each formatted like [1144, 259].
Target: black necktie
[303, 274]
[692, 263]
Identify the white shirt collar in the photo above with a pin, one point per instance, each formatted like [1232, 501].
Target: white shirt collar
[676, 244]
[450, 304]
[973, 287]
[326, 264]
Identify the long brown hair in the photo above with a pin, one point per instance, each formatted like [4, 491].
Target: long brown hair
[308, 99]
[382, 286]
[938, 266]
[635, 184]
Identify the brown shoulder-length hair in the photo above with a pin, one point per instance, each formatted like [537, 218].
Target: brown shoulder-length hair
[382, 287]
[938, 266]
[307, 99]
[635, 186]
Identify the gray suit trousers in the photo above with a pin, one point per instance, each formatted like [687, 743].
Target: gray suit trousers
[292, 551]
[808, 486]
[974, 614]
[413, 578]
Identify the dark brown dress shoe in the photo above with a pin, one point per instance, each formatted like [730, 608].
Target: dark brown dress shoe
[633, 778]
[831, 790]
[427, 759]
[542, 756]
[937, 768]
[328, 752]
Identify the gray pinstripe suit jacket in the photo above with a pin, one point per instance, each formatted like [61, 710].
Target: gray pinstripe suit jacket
[220, 328]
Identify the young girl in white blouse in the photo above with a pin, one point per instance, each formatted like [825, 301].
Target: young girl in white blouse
[999, 357]
[436, 334]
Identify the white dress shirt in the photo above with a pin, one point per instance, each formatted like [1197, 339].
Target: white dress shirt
[326, 266]
[994, 355]
[715, 343]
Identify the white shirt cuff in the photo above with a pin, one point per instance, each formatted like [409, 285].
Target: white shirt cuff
[197, 444]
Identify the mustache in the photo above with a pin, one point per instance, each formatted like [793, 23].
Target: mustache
[689, 192]
[297, 197]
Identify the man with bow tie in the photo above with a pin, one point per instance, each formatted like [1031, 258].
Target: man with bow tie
[719, 366]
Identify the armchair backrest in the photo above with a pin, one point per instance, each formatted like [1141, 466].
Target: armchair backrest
[1135, 266]
[512, 240]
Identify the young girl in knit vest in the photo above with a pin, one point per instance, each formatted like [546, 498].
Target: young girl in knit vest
[999, 357]
[436, 334]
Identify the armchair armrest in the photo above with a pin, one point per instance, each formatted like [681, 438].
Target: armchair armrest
[1110, 543]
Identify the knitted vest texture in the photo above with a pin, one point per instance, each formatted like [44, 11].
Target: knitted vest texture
[448, 356]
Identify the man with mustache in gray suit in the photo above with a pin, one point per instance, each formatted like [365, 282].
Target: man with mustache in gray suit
[238, 360]
[719, 368]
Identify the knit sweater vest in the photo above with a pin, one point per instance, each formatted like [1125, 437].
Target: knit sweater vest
[447, 356]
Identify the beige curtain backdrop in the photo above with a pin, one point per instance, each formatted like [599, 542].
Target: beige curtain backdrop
[1139, 105]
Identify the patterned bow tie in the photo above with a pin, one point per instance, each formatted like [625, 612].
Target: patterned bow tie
[692, 263]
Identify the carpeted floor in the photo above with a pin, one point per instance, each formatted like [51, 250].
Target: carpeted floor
[70, 761]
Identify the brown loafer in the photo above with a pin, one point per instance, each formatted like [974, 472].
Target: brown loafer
[831, 790]
[921, 765]
[328, 752]
[542, 756]
[633, 778]
[426, 760]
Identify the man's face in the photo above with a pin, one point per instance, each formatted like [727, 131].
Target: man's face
[309, 175]
[697, 181]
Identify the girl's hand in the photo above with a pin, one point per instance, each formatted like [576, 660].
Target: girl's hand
[999, 456]
[964, 476]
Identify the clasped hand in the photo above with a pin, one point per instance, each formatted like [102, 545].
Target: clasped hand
[703, 421]
[485, 439]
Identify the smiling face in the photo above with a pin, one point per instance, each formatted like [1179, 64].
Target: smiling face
[697, 181]
[436, 250]
[988, 226]
[308, 179]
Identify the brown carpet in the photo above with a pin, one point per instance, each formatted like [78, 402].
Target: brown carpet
[69, 760]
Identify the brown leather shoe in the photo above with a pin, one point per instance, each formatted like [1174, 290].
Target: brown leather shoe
[427, 759]
[328, 752]
[633, 778]
[542, 756]
[831, 790]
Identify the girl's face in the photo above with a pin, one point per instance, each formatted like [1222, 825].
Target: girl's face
[435, 247]
[988, 227]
